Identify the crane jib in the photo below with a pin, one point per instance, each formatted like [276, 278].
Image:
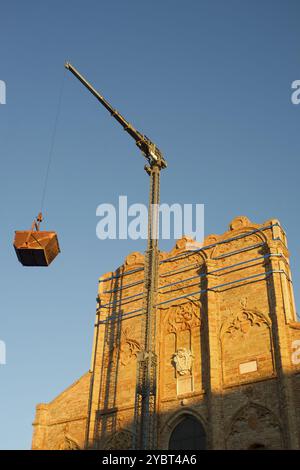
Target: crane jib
[148, 148]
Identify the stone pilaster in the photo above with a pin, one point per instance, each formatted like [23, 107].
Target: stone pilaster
[280, 312]
[40, 426]
[216, 432]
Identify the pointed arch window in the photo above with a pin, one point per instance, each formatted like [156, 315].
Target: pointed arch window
[189, 434]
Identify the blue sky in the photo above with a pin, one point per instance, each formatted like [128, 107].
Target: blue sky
[209, 81]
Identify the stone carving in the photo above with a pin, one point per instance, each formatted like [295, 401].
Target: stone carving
[239, 222]
[246, 345]
[134, 259]
[184, 317]
[249, 423]
[66, 442]
[233, 246]
[183, 242]
[122, 440]
[238, 326]
[70, 444]
[182, 245]
[183, 360]
[127, 349]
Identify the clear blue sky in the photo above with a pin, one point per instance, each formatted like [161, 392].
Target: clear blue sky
[209, 81]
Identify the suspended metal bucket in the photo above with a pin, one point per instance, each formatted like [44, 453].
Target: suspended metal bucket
[34, 247]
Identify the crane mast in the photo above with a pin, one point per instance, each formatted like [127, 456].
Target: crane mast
[145, 399]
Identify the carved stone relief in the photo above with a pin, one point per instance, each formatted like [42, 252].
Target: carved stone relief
[234, 245]
[122, 440]
[65, 441]
[183, 317]
[126, 351]
[246, 340]
[183, 360]
[251, 424]
[236, 326]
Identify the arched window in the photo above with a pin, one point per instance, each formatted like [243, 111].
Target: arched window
[189, 434]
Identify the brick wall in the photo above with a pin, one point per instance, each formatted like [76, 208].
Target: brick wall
[226, 326]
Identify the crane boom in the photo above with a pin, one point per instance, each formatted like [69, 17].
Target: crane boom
[148, 148]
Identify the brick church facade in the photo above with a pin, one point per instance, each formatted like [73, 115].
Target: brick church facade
[228, 347]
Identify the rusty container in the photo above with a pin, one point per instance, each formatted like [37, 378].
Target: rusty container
[36, 248]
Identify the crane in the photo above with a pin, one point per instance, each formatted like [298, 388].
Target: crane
[145, 398]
